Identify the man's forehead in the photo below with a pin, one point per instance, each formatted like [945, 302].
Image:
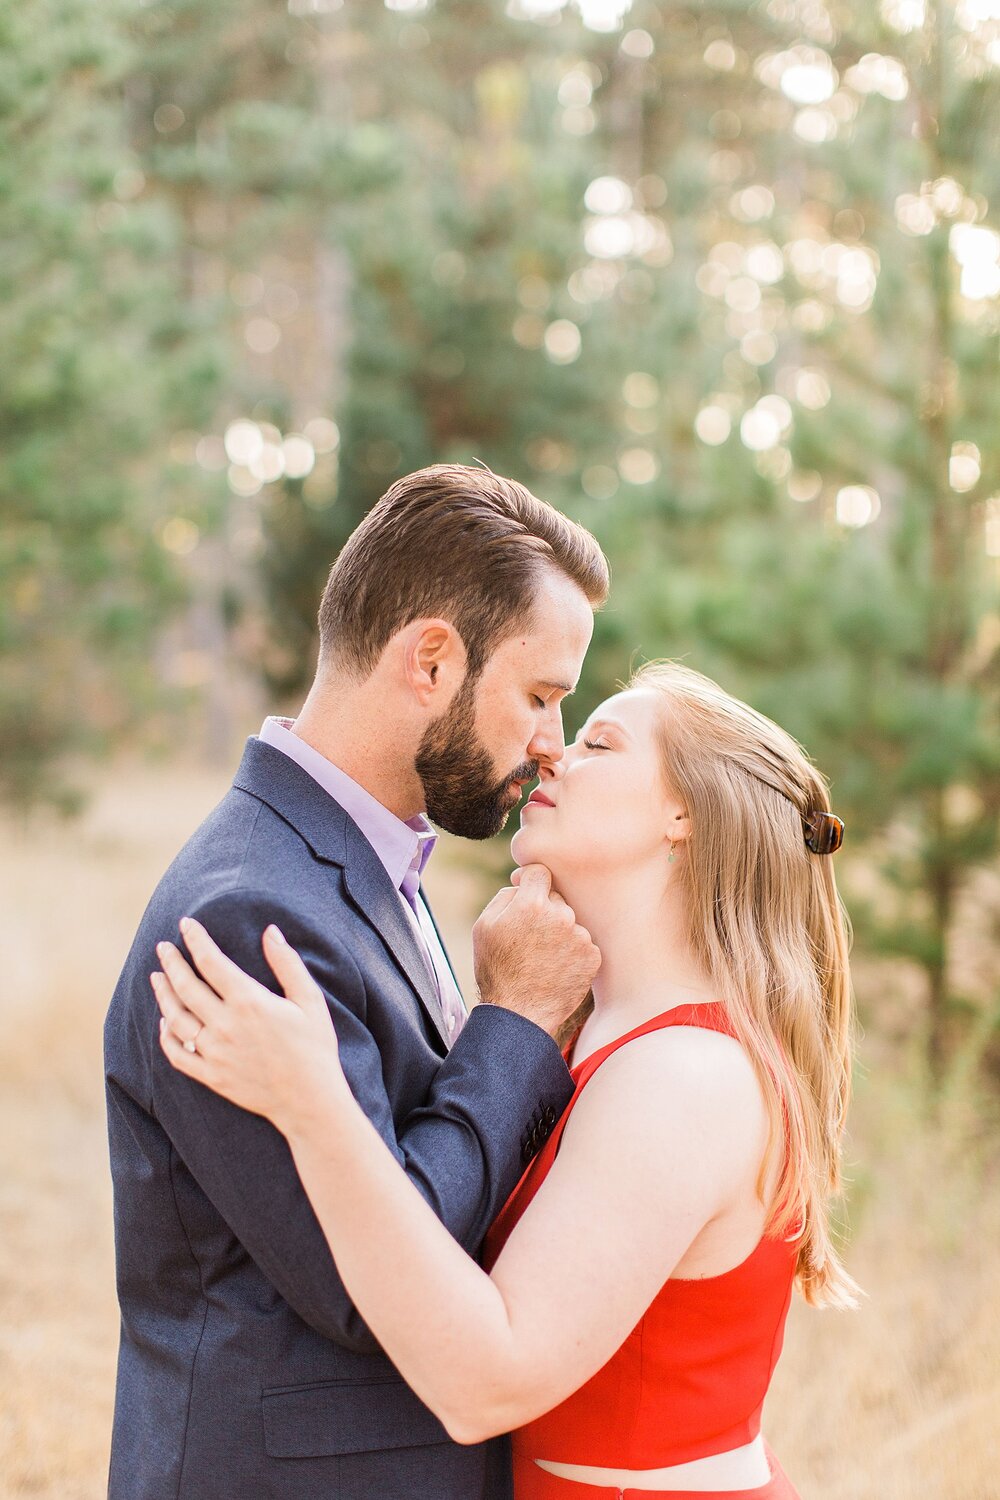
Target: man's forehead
[560, 626]
[551, 664]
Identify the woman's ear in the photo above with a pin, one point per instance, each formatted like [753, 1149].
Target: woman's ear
[678, 824]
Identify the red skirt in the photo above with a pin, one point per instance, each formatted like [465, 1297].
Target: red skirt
[533, 1483]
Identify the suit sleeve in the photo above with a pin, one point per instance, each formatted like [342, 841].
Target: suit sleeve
[461, 1148]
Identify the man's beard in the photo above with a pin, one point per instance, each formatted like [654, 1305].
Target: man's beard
[458, 776]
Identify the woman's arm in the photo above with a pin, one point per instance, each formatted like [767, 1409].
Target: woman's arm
[664, 1138]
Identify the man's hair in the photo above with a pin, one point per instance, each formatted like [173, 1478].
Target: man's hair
[456, 542]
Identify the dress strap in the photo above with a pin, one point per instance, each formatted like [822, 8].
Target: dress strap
[711, 1014]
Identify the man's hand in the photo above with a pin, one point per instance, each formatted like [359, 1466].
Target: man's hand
[531, 955]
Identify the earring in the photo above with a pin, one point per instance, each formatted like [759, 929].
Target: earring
[670, 856]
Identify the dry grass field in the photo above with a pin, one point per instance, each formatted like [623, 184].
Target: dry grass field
[898, 1401]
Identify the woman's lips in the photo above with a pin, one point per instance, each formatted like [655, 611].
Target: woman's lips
[538, 799]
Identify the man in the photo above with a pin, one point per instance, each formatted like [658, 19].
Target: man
[454, 622]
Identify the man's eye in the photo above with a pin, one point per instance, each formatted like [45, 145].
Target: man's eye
[592, 745]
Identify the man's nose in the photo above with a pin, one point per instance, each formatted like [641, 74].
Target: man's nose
[548, 745]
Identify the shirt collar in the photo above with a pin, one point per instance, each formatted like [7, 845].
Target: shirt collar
[400, 844]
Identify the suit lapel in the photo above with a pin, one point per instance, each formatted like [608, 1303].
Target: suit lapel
[375, 896]
[336, 839]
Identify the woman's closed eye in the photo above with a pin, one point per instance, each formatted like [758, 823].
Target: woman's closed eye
[596, 745]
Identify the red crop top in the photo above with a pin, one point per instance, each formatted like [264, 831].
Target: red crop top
[691, 1377]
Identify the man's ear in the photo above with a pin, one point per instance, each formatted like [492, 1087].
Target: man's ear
[434, 661]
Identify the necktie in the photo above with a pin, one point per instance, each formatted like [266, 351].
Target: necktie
[411, 884]
[452, 1007]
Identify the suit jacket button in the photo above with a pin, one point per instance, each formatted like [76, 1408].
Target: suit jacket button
[550, 1116]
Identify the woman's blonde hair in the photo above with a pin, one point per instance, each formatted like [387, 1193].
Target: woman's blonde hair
[768, 925]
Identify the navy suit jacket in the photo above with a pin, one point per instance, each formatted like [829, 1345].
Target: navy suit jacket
[245, 1372]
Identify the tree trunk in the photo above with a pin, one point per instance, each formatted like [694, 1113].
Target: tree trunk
[941, 879]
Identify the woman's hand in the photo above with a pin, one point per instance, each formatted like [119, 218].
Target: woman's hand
[268, 1055]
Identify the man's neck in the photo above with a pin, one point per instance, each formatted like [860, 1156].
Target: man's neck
[338, 722]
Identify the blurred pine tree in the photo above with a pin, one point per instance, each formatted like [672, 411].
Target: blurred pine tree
[823, 537]
[100, 362]
[719, 281]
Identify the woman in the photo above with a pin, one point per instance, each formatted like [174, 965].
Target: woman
[640, 1275]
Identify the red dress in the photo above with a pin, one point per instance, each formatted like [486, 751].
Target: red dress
[691, 1377]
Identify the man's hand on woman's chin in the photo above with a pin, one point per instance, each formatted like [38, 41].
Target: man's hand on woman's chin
[531, 955]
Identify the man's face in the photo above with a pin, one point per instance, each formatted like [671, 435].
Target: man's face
[474, 760]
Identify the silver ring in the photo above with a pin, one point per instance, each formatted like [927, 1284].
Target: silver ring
[191, 1046]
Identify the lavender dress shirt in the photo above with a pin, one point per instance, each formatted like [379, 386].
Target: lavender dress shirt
[403, 848]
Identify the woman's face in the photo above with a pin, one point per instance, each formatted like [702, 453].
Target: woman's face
[603, 807]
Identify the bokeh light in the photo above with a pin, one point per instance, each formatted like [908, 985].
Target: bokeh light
[562, 341]
[857, 505]
[713, 425]
[638, 466]
[964, 467]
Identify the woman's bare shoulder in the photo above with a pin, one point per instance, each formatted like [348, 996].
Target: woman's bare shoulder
[680, 1052]
[677, 1073]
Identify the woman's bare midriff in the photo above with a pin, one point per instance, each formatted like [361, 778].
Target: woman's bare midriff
[744, 1468]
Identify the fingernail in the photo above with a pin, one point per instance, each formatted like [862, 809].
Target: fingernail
[185, 924]
[163, 1022]
[275, 934]
[161, 949]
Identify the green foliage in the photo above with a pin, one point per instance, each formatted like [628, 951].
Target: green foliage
[96, 365]
[752, 375]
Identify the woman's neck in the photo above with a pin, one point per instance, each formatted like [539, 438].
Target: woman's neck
[647, 965]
